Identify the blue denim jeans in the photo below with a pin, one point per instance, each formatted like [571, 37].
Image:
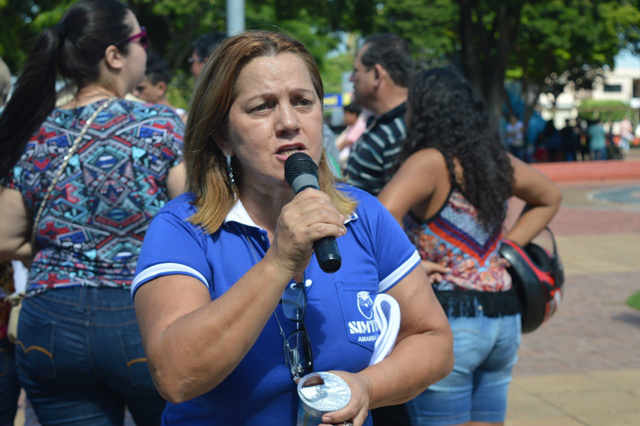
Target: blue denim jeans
[485, 351]
[599, 154]
[518, 151]
[9, 385]
[80, 359]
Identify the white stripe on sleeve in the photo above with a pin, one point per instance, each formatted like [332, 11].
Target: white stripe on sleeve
[390, 280]
[165, 269]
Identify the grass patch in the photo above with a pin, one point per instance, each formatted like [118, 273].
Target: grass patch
[634, 300]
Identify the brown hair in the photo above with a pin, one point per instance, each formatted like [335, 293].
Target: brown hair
[214, 94]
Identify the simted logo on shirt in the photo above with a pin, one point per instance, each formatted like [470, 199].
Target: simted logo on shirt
[366, 329]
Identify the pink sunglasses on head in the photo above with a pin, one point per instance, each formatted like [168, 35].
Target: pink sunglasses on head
[142, 35]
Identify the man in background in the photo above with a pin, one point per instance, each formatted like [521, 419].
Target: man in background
[514, 136]
[203, 47]
[381, 73]
[153, 88]
[570, 141]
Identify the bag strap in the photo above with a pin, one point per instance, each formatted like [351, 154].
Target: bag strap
[63, 166]
[553, 241]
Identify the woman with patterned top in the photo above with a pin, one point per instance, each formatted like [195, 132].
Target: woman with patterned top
[450, 194]
[79, 351]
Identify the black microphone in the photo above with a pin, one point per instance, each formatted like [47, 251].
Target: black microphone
[302, 173]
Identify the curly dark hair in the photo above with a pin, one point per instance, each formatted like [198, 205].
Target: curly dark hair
[445, 113]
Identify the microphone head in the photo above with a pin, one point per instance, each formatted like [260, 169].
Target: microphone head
[298, 164]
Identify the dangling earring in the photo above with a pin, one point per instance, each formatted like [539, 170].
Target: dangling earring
[230, 170]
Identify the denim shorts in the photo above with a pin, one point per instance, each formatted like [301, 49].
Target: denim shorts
[80, 358]
[485, 352]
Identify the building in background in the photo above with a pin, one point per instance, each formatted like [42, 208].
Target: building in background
[622, 84]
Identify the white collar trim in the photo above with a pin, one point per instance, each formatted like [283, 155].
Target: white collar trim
[238, 213]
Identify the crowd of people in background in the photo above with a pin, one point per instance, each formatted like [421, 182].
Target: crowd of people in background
[580, 139]
[204, 189]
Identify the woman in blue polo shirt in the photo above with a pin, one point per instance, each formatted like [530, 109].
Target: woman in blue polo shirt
[216, 262]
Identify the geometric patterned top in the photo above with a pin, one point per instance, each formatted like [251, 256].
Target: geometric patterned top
[93, 225]
[454, 238]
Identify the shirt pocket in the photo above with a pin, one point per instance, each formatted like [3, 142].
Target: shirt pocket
[356, 301]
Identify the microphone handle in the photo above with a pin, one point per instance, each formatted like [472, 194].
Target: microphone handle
[328, 254]
[326, 249]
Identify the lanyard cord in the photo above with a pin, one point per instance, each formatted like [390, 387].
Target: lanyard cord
[292, 356]
[255, 257]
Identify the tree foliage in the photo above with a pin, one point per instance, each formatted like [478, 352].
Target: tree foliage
[172, 25]
[21, 21]
[607, 111]
[428, 26]
[568, 43]
[545, 45]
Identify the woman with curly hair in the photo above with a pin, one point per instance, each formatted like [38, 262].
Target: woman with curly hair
[450, 194]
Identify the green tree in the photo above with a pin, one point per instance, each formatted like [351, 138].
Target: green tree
[475, 35]
[430, 28]
[21, 21]
[631, 32]
[173, 24]
[545, 45]
[607, 111]
[568, 43]
[487, 30]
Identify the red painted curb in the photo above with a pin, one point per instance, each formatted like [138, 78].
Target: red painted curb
[590, 170]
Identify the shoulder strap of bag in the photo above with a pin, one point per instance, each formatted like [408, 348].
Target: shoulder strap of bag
[553, 241]
[63, 166]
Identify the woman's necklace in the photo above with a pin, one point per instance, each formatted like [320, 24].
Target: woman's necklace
[93, 97]
[86, 97]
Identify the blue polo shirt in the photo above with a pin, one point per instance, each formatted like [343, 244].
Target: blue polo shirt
[376, 255]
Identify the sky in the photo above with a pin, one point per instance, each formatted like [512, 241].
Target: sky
[626, 60]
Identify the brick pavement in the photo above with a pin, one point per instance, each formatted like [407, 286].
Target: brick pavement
[594, 329]
[589, 170]
[582, 368]
[582, 216]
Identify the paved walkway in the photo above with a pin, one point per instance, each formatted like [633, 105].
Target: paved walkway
[582, 368]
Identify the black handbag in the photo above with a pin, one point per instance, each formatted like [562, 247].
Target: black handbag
[538, 277]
